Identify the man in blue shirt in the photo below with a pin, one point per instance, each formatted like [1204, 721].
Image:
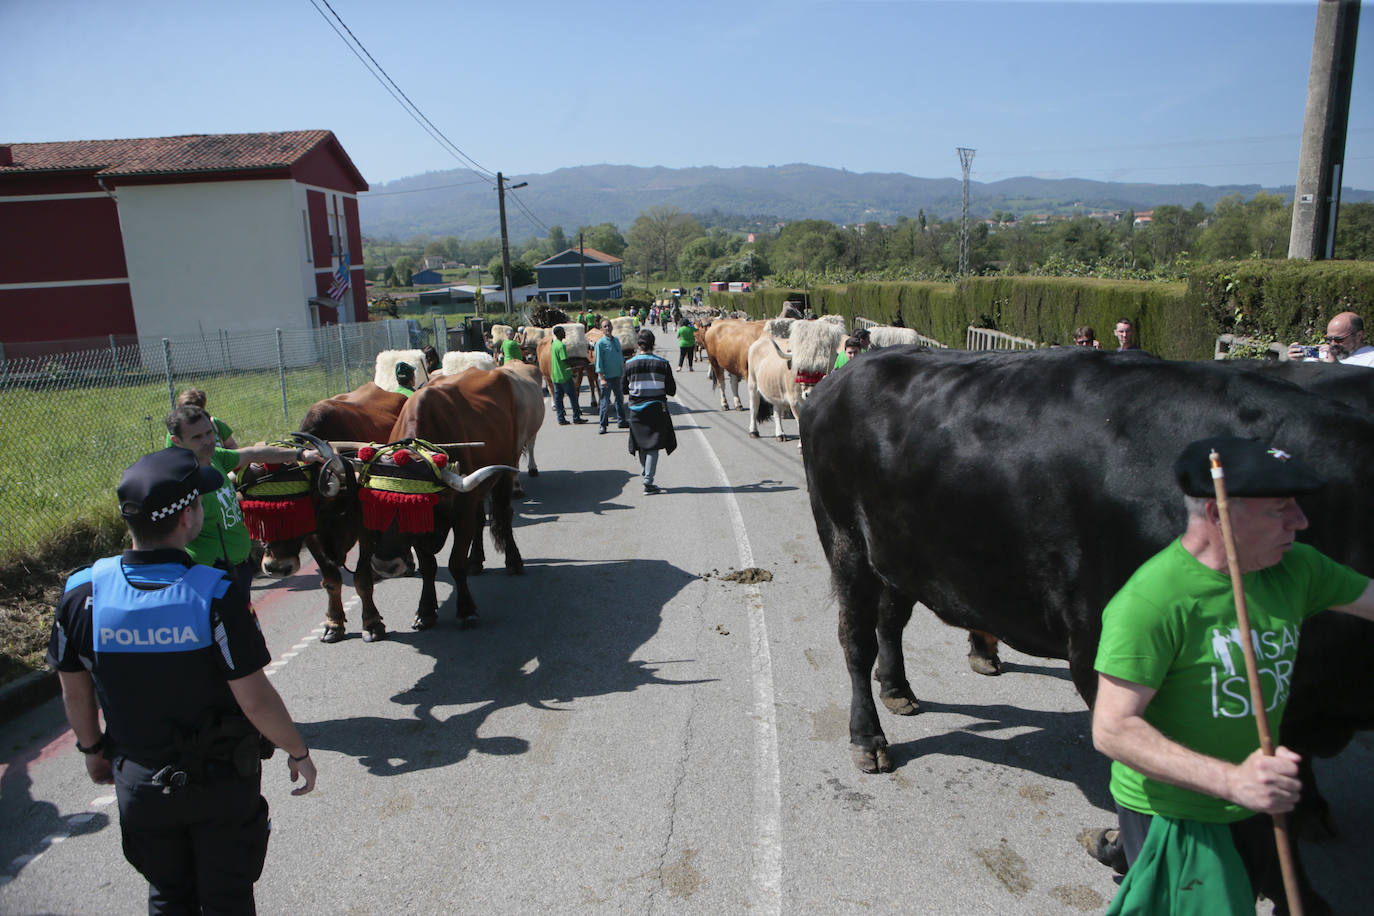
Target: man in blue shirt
[610, 366]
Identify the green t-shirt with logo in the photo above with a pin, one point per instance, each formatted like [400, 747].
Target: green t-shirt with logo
[510, 351]
[1173, 627]
[558, 362]
[686, 336]
[223, 536]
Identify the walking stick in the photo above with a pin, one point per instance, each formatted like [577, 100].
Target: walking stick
[1285, 848]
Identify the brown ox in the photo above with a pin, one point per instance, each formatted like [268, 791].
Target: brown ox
[473, 406]
[582, 368]
[365, 414]
[727, 343]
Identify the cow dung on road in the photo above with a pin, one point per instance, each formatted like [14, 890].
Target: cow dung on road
[751, 576]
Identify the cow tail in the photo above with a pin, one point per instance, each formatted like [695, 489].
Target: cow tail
[765, 410]
[502, 515]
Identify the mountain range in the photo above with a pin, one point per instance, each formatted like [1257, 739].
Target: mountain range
[463, 204]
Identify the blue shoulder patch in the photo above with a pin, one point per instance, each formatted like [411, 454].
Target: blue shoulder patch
[78, 579]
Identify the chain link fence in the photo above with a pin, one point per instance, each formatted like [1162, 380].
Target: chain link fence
[77, 412]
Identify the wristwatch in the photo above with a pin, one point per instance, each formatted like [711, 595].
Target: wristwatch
[94, 748]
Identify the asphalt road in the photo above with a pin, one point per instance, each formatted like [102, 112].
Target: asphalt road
[628, 730]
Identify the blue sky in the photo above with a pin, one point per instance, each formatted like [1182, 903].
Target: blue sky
[1162, 92]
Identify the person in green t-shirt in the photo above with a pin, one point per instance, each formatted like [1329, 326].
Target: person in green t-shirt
[224, 435]
[1173, 707]
[223, 540]
[511, 352]
[405, 379]
[852, 348]
[562, 379]
[686, 345]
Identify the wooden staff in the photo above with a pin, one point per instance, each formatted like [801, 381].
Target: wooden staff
[1285, 848]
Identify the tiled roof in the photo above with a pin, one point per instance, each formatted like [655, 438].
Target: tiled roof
[592, 253]
[168, 155]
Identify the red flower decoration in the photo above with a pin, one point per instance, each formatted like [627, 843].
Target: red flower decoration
[366, 453]
[272, 467]
[401, 457]
[440, 460]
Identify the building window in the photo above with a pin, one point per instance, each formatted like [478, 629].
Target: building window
[305, 224]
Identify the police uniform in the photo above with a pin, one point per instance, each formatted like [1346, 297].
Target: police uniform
[161, 637]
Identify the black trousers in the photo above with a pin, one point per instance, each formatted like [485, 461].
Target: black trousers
[1254, 839]
[200, 847]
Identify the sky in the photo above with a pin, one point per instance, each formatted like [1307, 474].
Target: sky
[1165, 92]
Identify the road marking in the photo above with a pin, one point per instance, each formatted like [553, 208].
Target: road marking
[767, 871]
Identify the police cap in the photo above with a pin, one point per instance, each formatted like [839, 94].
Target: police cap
[162, 484]
[1252, 468]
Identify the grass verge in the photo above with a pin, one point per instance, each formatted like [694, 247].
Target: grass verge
[31, 584]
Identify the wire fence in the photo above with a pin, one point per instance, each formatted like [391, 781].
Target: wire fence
[77, 414]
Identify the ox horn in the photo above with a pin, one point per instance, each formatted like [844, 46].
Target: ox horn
[476, 478]
[333, 472]
[786, 356]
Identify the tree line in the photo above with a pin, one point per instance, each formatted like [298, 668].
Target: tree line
[666, 244]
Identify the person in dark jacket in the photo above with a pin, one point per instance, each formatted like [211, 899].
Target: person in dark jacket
[648, 382]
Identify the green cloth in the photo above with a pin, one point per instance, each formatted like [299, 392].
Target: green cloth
[510, 352]
[222, 433]
[1173, 627]
[1185, 868]
[558, 362]
[686, 336]
[401, 389]
[841, 358]
[223, 536]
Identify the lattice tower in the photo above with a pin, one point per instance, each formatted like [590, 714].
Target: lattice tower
[965, 162]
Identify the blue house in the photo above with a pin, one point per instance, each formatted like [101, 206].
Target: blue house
[428, 277]
[561, 276]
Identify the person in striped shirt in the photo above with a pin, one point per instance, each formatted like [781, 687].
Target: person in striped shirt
[648, 383]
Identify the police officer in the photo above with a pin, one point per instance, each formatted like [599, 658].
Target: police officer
[172, 655]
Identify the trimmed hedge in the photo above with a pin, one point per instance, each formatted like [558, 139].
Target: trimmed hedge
[1281, 300]
[1044, 309]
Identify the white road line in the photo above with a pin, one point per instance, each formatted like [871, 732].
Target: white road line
[767, 872]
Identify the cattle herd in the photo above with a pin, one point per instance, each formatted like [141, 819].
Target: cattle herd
[1010, 493]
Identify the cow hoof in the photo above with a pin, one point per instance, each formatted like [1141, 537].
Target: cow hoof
[753, 434]
[422, 623]
[989, 665]
[469, 622]
[782, 438]
[333, 632]
[740, 407]
[533, 472]
[871, 760]
[904, 705]
[515, 569]
[374, 633]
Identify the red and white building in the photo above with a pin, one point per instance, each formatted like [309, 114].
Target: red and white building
[173, 236]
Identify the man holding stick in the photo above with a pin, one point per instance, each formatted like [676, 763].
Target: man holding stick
[1173, 709]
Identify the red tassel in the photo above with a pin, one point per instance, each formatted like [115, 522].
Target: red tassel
[271, 520]
[412, 512]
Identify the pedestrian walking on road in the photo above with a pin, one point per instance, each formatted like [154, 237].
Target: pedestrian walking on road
[562, 379]
[648, 382]
[610, 366]
[172, 655]
[686, 345]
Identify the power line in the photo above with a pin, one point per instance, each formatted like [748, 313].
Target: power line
[411, 108]
[528, 213]
[438, 187]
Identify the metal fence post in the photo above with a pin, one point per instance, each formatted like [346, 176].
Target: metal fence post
[343, 351]
[440, 334]
[390, 341]
[114, 358]
[281, 375]
[167, 368]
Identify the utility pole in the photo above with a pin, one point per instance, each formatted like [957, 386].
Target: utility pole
[965, 162]
[1317, 197]
[582, 267]
[505, 240]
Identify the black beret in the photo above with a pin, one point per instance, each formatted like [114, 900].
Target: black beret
[1252, 468]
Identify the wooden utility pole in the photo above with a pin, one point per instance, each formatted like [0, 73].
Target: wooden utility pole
[505, 240]
[1317, 197]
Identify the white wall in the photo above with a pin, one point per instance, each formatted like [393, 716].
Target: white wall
[209, 255]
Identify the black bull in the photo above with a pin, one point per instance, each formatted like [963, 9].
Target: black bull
[1016, 492]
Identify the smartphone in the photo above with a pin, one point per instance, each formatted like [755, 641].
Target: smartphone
[1312, 352]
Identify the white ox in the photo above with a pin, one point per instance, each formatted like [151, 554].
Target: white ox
[783, 372]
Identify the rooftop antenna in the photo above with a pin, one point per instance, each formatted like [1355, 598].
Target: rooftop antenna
[965, 161]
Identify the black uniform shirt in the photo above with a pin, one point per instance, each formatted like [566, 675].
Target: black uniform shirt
[148, 697]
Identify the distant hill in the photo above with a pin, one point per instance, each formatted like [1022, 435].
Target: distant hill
[458, 203]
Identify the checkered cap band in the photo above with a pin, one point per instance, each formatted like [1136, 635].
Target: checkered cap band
[174, 508]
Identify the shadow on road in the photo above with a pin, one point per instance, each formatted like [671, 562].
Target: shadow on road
[554, 493]
[575, 641]
[1056, 748]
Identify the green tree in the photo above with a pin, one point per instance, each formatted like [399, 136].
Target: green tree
[521, 273]
[557, 240]
[605, 238]
[1355, 232]
[1173, 231]
[405, 270]
[1081, 239]
[658, 236]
